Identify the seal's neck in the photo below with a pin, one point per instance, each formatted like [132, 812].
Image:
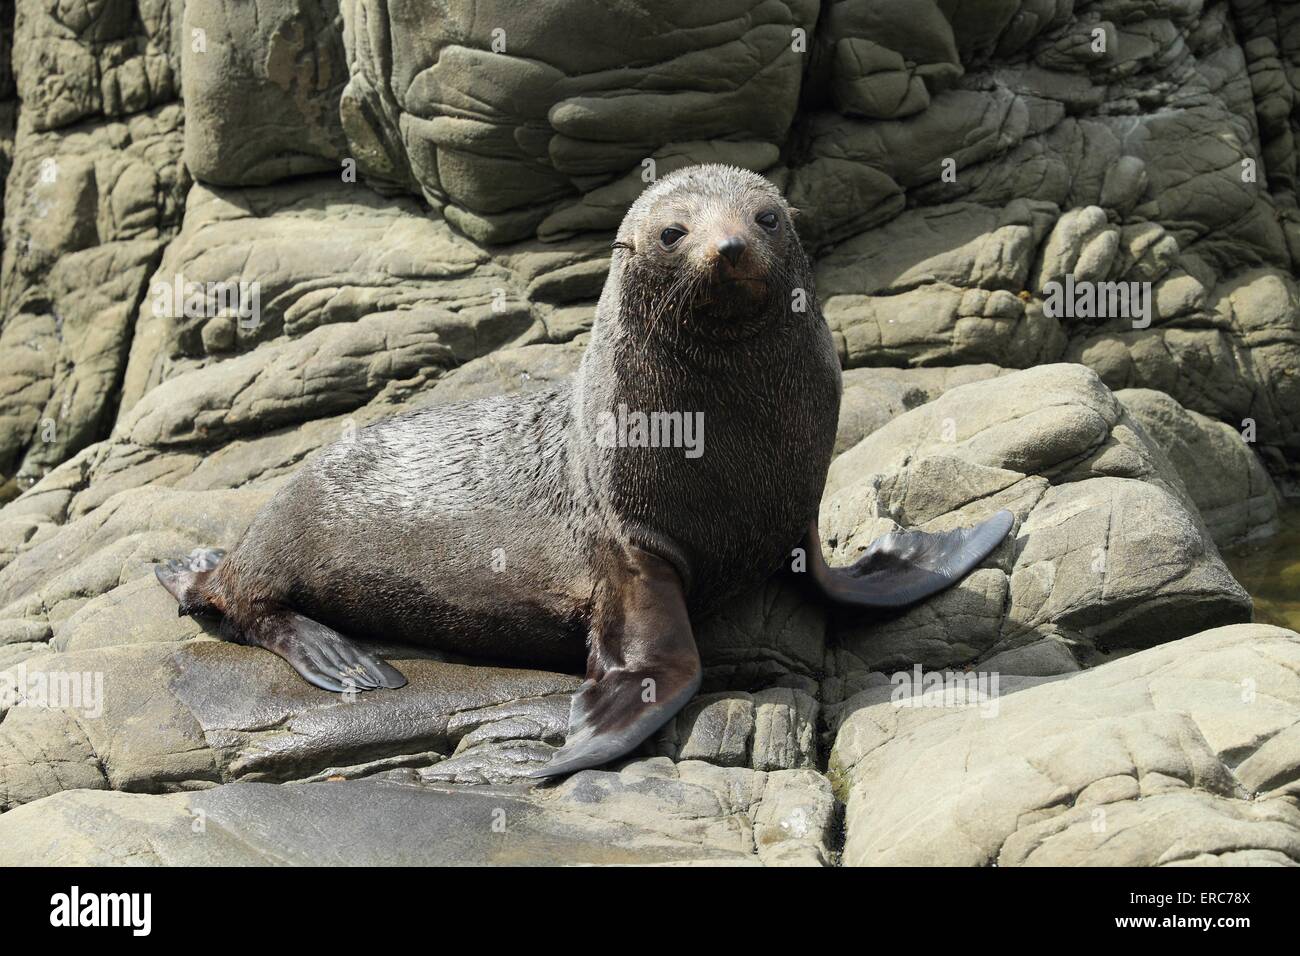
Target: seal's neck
[703, 442]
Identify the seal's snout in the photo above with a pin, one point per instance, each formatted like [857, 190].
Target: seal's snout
[732, 248]
[732, 259]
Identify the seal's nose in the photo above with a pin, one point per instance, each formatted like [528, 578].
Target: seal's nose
[733, 247]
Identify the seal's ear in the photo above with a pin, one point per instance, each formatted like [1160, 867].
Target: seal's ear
[642, 668]
[792, 211]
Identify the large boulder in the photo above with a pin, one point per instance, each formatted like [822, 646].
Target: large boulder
[873, 397]
[516, 130]
[262, 83]
[1094, 499]
[1230, 486]
[1182, 754]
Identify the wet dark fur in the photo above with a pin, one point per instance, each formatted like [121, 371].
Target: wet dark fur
[392, 535]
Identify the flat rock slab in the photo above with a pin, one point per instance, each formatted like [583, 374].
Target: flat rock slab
[651, 813]
[190, 714]
[160, 705]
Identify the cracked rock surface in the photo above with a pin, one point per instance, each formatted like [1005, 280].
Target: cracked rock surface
[235, 231]
[948, 163]
[1182, 754]
[189, 723]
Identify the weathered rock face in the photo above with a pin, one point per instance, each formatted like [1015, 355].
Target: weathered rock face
[1182, 754]
[88, 214]
[236, 231]
[176, 710]
[654, 813]
[949, 164]
[1230, 487]
[1094, 497]
[261, 83]
[519, 130]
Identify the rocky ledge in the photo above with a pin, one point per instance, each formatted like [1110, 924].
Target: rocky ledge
[237, 230]
[1097, 676]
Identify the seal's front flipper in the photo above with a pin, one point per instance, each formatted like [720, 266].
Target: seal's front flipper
[903, 567]
[322, 655]
[642, 668]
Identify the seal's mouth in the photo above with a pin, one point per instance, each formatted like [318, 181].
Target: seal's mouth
[722, 271]
[732, 308]
[746, 277]
[729, 296]
[721, 303]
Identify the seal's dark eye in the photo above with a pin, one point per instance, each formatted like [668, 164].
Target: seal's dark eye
[671, 236]
[767, 220]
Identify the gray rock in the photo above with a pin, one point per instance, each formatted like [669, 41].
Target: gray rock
[1094, 499]
[78, 61]
[1181, 754]
[650, 813]
[1227, 481]
[320, 254]
[774, 729]
[185, 714]
[1023, 152]
[515, 129]
[873, 397]
[949, 161]
[88, 212]
[262, 89]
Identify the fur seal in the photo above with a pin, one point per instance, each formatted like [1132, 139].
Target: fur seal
[528, 528]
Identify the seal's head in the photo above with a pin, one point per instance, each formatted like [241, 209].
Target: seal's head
[708, 251]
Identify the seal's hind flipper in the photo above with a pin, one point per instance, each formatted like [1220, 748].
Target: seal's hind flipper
[322, 655]
[903, 567]
[182, 576]
[642, 669]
